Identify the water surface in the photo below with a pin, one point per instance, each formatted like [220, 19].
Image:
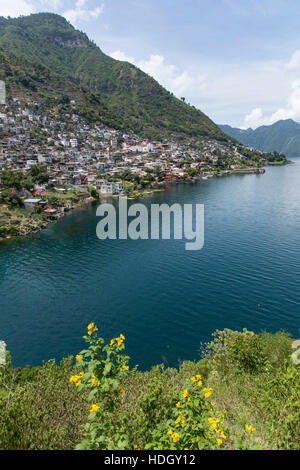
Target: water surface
[165, 300]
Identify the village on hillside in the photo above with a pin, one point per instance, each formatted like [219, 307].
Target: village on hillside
[65, 161]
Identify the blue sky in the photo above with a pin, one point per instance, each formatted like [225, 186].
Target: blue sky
[237, 60]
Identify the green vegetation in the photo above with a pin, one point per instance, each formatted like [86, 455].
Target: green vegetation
[30, 81]
[243, 394]
[126, 97]
[17, 180]
[283, 137]
[15, 220]
[16, 186]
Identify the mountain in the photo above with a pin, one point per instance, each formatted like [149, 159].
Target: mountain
[34, 82]
[132, 99]
[281, 137]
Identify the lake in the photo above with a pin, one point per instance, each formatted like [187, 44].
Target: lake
[164, 299]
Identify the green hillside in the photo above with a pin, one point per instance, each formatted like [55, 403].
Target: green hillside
[133, 99]
[243, 394]
[33, 82]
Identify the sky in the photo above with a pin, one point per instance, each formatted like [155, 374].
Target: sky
[236, 60]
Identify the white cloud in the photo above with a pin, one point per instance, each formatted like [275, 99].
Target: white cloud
[291, 110]
[16, 8]
[294, 62]
[224, 90]
[81, 12]
[119, 55]
[51, 4]
[254, 119]
[168, 75]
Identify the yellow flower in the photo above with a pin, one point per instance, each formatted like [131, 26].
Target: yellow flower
[76, 379]
[96, 382]
[223, 435]
[185, 394]
[207, 392]
[250, 429]
[213, 423]
[220, 442]
[182, 421]
[200, 383]
[170, 432]
[126, 367]
[92, 329]
[178, 405]
[79, 357]
[176, 437]
[121, 390]
[94, 408]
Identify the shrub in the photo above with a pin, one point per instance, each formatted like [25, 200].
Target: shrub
[280, 408]
[167, 421]
[8, 230]
[99, 403]
[234, 349]
[39, 409]
[102, 368]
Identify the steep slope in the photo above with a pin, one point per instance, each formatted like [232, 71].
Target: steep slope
[282, 137]
[33, 82]
[134, 100]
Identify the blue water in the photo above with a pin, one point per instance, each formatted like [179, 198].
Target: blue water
[165, 300]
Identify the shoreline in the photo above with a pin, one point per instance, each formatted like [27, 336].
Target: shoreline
[142, 193]
[46, 223]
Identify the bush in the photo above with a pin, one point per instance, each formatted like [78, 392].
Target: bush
[246, 402]
[39, 409]
[165, 421]
[234, 349]
[280, 409]
[8, 230]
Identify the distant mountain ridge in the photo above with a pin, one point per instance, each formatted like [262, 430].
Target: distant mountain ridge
[281, 137]
[131, 98]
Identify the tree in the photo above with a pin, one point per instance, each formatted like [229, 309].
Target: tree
[39, 174]
[11, 198]
[12, 179]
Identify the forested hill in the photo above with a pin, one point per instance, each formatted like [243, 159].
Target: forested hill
[34, 82]
[282, 137]
[134, 100]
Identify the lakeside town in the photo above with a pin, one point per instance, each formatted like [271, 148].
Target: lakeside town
[50, 164]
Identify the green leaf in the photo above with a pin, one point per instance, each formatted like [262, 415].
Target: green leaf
[107, 369]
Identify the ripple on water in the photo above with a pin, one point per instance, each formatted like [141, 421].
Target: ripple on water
[164, 299]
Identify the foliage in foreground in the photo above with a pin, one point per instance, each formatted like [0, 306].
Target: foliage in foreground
[244, 394]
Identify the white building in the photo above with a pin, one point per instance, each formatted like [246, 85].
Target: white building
[74, 143]
[2, 92]
[107, 188]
